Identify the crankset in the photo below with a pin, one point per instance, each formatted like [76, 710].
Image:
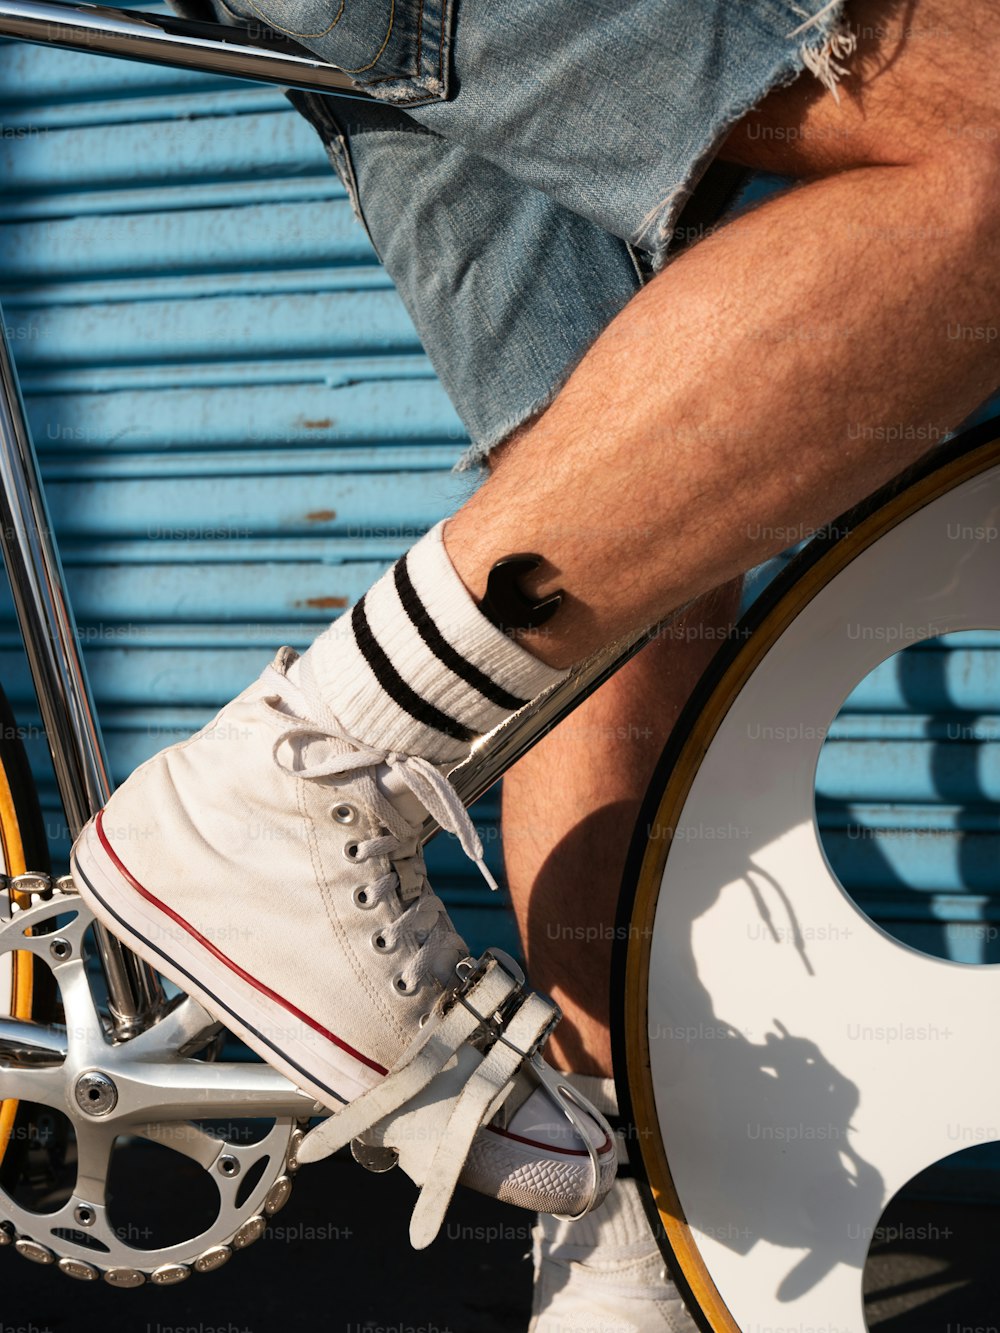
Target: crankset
[86, 1099]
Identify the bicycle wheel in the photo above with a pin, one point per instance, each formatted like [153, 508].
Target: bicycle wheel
[767, 1130]
[22, 847]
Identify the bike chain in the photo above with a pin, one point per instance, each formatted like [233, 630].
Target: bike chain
[33, 888]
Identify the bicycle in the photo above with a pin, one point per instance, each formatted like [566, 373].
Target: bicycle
[135, 1061]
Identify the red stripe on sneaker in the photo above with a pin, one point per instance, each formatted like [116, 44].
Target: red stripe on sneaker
[217, 953]
[549, 1147]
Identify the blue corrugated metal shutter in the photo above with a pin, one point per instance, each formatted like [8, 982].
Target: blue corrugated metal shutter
[237, 424]
[908, 791]
[239, 429]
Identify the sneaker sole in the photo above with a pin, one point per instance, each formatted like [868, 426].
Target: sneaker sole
[522, 1172]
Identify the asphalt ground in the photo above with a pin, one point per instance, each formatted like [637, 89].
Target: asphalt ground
[337, 1260]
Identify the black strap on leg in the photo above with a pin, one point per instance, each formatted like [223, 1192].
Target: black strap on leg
[507, 605]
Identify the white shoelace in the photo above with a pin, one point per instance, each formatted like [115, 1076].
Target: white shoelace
[423, 916]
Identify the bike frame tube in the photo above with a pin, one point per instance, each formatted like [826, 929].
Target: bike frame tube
[64, 700]
[161, 39]
[499, 749]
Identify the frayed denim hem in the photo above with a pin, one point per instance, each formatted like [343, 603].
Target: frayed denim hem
[788, 37]
[476, 454]
[823, 41]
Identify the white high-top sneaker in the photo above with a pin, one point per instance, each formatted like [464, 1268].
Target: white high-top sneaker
[270, 867]
[604, 1273]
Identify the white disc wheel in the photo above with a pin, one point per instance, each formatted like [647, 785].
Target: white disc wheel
[787, 1065]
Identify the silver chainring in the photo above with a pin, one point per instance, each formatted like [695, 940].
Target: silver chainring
[152, 1088]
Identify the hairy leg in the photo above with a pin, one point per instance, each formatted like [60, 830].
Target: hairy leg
[783, 367]
[756, 364]
[569, 809]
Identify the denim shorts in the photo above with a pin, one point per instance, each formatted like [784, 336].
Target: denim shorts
[524, 167]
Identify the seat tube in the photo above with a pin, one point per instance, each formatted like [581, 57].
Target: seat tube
[52, 644]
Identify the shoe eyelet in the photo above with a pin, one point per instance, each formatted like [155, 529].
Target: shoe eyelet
[399, 985]
[379, 943]
[361, 900]
[351, 851]
[344, 814]
[424, 1019]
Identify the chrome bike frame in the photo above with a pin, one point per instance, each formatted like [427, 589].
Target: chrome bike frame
[32, 560]
[161, 39]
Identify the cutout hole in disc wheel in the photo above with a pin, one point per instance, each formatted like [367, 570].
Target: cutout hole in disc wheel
[908, 796]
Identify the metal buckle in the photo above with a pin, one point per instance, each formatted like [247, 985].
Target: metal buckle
[373, 1156]
[555, 1016]
[475, 973]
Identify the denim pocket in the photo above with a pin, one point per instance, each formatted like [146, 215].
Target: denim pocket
[397, 50]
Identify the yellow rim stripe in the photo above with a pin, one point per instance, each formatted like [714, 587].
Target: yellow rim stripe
[21, 987]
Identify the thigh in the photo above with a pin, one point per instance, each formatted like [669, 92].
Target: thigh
[920, 80]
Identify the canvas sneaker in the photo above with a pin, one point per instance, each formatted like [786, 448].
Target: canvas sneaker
[270, 866]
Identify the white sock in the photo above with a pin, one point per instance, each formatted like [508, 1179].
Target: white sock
[604, 1273]
[416, 667]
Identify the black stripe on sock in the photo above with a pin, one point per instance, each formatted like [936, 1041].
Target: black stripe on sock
[396, 687]
[443, 650]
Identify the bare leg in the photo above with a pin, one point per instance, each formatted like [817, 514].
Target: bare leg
[785, 337]
[713, 416]
[569, 809]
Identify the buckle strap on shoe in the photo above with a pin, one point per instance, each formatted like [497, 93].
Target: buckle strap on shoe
[521, 1037]
[454, 1020]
